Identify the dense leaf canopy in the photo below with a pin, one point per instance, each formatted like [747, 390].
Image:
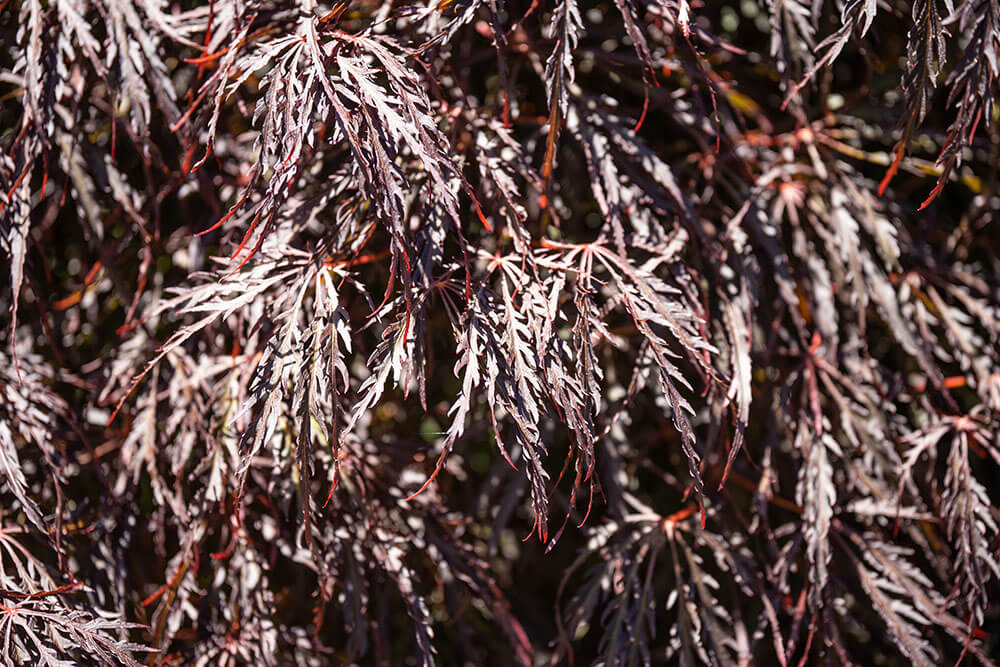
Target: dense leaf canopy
[493, 332]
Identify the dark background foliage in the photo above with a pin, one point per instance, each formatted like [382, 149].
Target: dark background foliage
[485, 332]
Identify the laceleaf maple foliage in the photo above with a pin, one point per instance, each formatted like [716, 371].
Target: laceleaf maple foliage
[473, 332]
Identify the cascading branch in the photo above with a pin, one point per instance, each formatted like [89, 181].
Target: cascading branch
[473, 332]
